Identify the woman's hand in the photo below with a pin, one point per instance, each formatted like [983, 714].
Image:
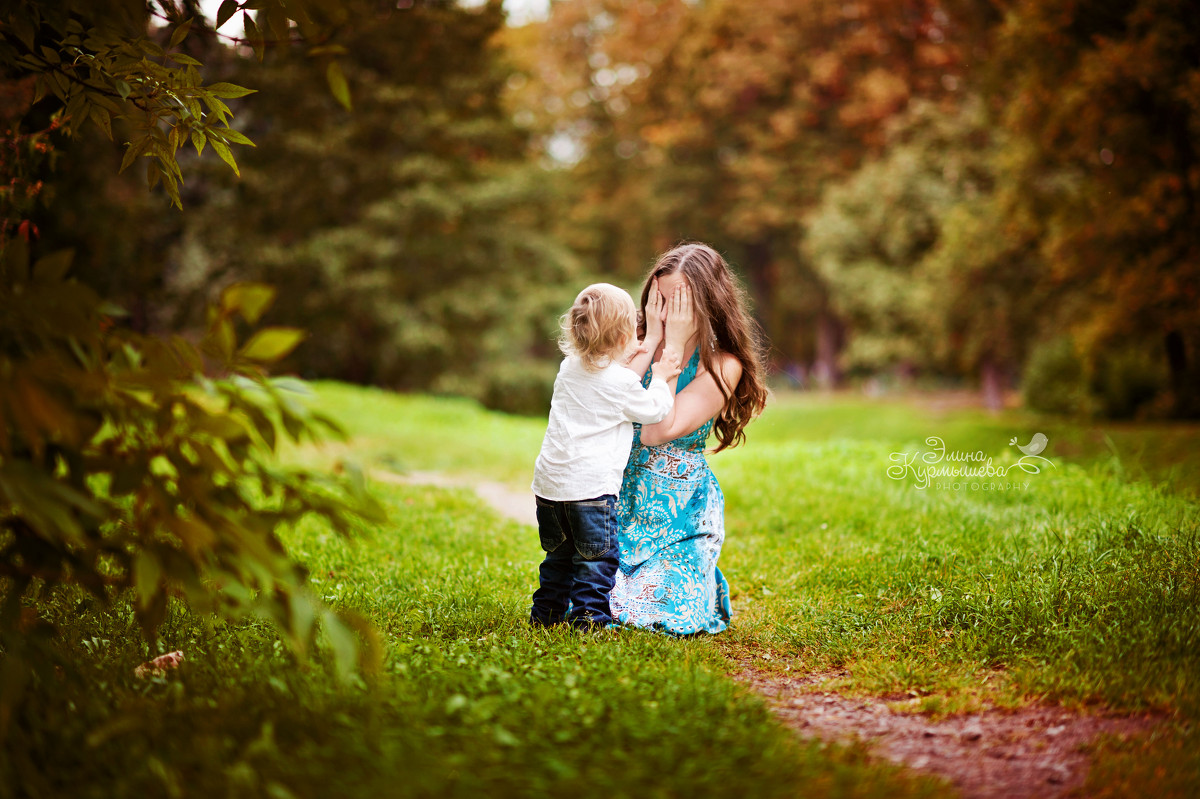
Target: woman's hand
[681, 324]
[655, 312]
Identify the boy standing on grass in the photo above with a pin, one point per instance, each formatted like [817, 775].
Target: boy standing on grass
[578, 471]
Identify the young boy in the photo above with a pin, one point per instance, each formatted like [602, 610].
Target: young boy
[578, 472]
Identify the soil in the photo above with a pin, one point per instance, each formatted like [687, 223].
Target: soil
[1033, 751]
[509, 503]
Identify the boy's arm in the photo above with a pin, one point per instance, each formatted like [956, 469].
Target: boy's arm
[652, 405]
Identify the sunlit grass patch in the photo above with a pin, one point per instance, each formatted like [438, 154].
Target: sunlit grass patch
[1085, 587]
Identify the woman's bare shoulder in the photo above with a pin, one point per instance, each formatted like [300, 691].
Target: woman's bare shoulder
[728, 369]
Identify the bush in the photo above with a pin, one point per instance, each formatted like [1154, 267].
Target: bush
[1121, 382]
[1054, 379]
[523, 388]
[1125, 381]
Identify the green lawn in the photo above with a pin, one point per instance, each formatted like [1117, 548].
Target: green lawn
[1082, 588]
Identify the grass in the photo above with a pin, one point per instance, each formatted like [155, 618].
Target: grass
[1082, 588]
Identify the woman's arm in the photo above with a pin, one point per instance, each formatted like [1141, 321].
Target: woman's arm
[696, 404]
[702, 399]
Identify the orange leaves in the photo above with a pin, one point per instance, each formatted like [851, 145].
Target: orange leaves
[874, 98]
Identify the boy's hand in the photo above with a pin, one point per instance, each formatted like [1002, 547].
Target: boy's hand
[667, 367]
[640, 349]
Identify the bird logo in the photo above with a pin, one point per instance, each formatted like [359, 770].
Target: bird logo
[1035, 446]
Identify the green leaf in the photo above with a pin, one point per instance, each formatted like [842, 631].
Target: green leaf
[179, 33]
[252, 35]
[53, 268]
[122, 88]
[226, 428]
[227, 10]
[132, 151]
[342, 641]
[249, 299]
[172, 186]
[109, 308]
[146, 576]
[217, 107]
[184, 58]
[337, 83]
[231, 135]
[268, 346]
[293, 385]
[225, 339]
[151, 48]
[102, 120]
[107, 103]
[222, 149]
[198, 140]
[294, 426]
[327, 49]
[302, 615]
[262, 423]
[77, 109]
[277, 21]
[230, 91]
[331, 425]
[23, 26]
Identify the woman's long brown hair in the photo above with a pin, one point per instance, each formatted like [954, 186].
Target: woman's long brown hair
[724, 325]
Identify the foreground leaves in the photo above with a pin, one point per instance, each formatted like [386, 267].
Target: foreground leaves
[131, 462]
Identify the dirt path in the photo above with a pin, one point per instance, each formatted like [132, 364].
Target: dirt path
[508, 502]
[1031, 752]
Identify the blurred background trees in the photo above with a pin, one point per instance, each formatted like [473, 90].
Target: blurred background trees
[408, 235]
[931, 190]
[964, 192]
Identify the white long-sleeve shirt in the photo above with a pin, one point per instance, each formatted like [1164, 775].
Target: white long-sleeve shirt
[590, 432]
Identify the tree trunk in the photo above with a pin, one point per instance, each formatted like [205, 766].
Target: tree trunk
[759, 269]
[829, 343]
[991, 380]
[1184, 381]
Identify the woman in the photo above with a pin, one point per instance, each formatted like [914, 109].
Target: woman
[671, 510]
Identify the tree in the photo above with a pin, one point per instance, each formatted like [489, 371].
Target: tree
[582, 86]
[741, 119]
[1105, 171]
[126, 461]
[914, 263]
[409, 237]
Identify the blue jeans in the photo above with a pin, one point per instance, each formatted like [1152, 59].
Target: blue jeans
[580, 541]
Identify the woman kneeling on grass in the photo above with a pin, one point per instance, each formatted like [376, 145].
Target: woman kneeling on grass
[671, 511]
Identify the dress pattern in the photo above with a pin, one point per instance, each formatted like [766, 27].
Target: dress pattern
[671, 525]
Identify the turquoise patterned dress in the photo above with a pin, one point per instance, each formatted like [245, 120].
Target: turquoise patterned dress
[671, 516]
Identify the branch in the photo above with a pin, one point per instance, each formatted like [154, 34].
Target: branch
[207, 31]
[69, 74]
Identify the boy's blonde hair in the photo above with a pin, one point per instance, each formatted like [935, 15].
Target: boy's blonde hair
[599, 325]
